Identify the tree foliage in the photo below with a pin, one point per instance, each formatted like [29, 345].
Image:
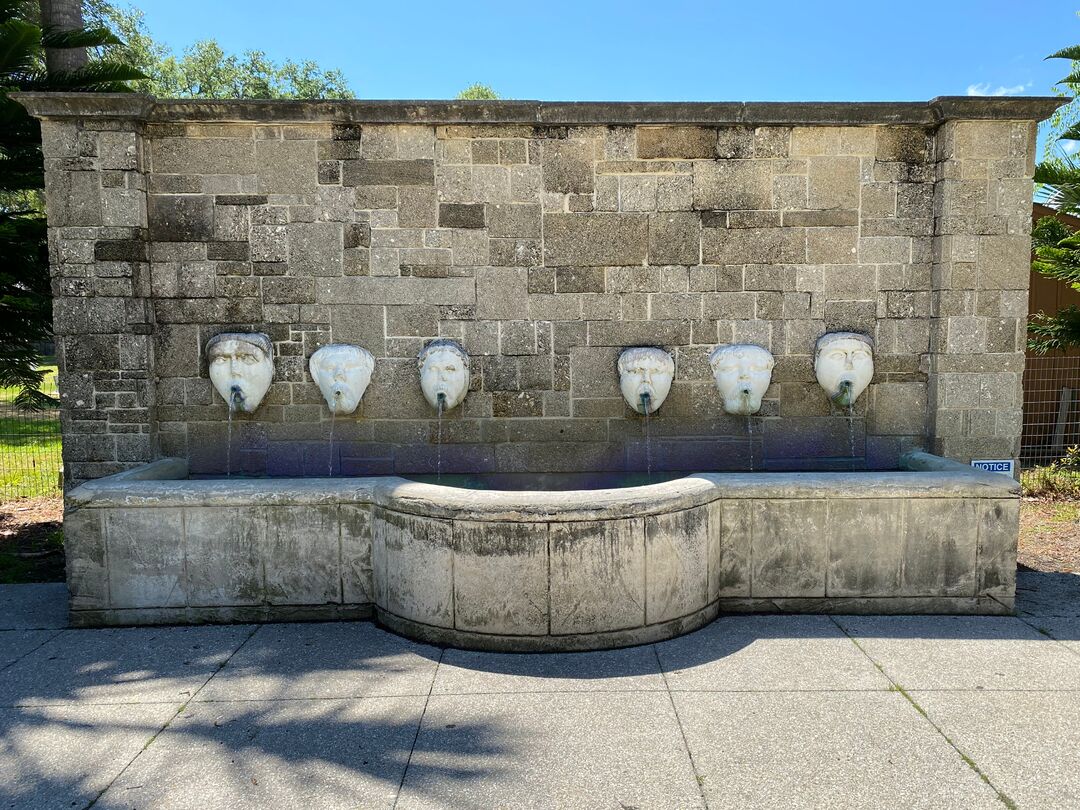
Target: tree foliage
[25, 305]
[205, 70]
[478, 92]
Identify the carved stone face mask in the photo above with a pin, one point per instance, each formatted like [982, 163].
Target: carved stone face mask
[742, 372]
[241, 368]
[844, 365]
[645, 376]
[444, 373]
[342, 373]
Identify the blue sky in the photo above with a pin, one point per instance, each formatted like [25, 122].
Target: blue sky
[667, 50]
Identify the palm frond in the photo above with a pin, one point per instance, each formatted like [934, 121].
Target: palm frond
[85, 38]
[19, 44]
[1070, 134]
[1072, 52]
[101, 76]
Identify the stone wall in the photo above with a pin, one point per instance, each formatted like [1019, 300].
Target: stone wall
[545, 238]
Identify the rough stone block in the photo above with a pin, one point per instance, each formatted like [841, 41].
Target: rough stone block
[833, 182]
[303, 555]
[224, 555]
[502, 293]
[204, 156]
[461, 215]
[789, 548]
[519, 220]
[414, 566]
[356, 567]
[866, 545]
[568, 165]
[315, 248]
[388, 173]
[510, 553]
[595, 239]
[999, 523]
[940, 547]
[676, 142]
[732, 525]
[753, 246]
[181, 218]
[677, 559]
[597, 576]
[146, 558]
[731, 185]
[87, 567]
[675, 238]
[286, 167]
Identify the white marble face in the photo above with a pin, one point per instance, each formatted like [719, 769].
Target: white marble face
[742, 372]
[844, 365]
[342, 373]
[241, 368]
[645, 372]
[444, 373]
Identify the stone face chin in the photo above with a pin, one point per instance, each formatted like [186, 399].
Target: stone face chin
[844, 365]
[444, 372]
[645, 371]
[742, 372]
[241, 368]
[342, 373]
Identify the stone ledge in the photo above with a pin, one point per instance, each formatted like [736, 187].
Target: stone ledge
[545, 113]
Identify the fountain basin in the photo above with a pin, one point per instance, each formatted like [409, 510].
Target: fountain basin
[540, 570]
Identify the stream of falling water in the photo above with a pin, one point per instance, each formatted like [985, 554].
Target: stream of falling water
[851, 433]
[648, 440]
[228, 443]
[750, 436]
[438, 442]
[330, 461]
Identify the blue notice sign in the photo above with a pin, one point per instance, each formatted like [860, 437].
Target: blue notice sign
[997, 465]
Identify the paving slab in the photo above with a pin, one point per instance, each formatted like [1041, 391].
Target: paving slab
[1047, 593]
[1027, 743]
[747, 653]
[131, 665]
[34, 607]
[964, 652]
[823, 749]
[64, 756]
[631, 669]
[325, 660]
[261, 754]
[14, 644]
[571, 749]
[1064, 629]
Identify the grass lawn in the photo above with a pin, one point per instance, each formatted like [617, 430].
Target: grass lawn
[29, 446]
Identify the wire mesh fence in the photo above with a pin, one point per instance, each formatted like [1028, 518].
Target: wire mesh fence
[1051, 426]
[30, 464]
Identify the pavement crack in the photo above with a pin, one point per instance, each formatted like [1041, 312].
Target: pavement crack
[55, 635]
[175, 714]
[699, 777]
[967, 760]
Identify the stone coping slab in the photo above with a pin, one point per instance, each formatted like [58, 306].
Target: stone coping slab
[162, 484]
[546, 113]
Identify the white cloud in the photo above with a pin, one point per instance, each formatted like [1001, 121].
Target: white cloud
[983, 89]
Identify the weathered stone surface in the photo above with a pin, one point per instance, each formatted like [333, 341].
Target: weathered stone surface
[461, 215]
[146, 557]
[732, 185]
[675, 238]
[285, 167]
[865, 546]
[939, 549]
[676, 558]
[303, 555]
[176, 218]
[514, 554]
[789, 546]
[412, 566]
[388, 173]
[595, 239]
[224, 556]
[597, 576]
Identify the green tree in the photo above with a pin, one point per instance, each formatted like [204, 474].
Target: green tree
[478, 92]
[1057, 249]
[25, 305]
[205, 70]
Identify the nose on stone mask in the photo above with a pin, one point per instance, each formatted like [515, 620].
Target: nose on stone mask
[742, 372]
[645, 375]
[844, 366]
[241, 368]
[342, 373]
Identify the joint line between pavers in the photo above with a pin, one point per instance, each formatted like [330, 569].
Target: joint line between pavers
[419, 725]
[1043, 632]
[31, 652]
[698, 777]
[967, 760]
[175, 714]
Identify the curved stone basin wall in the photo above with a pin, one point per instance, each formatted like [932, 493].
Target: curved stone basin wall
[540, 570]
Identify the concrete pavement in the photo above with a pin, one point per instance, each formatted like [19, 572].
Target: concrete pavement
[751, 711]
